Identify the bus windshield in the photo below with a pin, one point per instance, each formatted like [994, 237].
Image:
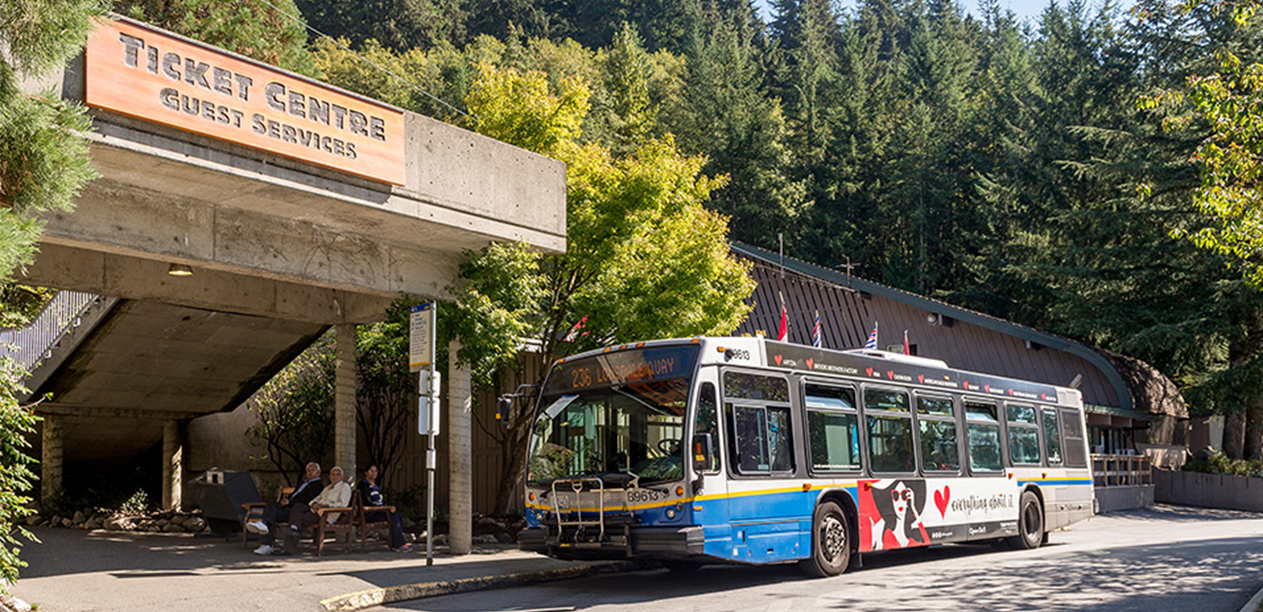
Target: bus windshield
[618, 413]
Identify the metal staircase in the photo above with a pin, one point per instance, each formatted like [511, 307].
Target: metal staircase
[41, 347]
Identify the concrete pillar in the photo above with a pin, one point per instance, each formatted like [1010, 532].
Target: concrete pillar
[459, 456]
[51, 457]
[344, 402]
[172, 465]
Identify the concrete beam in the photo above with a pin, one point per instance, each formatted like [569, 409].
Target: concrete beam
[459, 455]
[131, 277]
[172, 465]
[344, 404]
[51, 411]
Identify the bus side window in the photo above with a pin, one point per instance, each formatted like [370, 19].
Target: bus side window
[706, 421]
[1076, 446]
[889, 424]
[936, 417]
[832, 428]
[1052, 436]
[982, 435]
[1023, 434]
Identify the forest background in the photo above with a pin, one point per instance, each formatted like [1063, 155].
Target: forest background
[1037, 170]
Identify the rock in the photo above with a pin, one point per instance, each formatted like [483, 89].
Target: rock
[13, 604]
[65, 522]
[80, 517]
[173, 528]
[117, 523]
[180, 519]
[153, 529]
[194, 524]
[488, 523]
[505, 538]
[33, 520]
[92, 523]
[440, 539]
[162, 523]
[485, 538]
[407, 522]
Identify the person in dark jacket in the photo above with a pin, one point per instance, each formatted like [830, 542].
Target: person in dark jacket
[371, 495]
[304, 494]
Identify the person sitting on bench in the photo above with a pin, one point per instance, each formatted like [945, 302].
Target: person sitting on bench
[371, 495]
[336, 495]
[266, 526]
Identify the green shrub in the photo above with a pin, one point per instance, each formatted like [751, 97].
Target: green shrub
[1219, 463]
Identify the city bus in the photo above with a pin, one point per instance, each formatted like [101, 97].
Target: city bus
[747, 450]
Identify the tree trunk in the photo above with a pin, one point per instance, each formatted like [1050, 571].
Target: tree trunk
[1234, 434]
[1253, 447]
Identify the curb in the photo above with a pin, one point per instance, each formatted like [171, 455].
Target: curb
[386, 595]
[1254, 603]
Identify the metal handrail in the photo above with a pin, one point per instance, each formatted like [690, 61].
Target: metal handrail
[31, 345]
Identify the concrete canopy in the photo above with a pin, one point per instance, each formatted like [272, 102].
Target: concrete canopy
[281, 249]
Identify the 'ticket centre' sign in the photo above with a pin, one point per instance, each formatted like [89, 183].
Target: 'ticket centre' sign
[149, 74]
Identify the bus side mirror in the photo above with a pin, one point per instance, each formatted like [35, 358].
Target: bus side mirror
[703, 453]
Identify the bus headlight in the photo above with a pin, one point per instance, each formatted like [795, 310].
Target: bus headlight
[670, 513]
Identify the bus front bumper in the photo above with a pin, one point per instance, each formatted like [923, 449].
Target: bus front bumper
[633, 542]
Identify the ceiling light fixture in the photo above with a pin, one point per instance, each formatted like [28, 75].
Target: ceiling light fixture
[179, 270]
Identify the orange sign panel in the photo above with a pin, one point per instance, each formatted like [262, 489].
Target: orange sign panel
[152, 75]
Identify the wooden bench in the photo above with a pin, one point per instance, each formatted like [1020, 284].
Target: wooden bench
[345, 523]
[364, 525]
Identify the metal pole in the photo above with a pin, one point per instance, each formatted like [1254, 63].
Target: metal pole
[430, 457]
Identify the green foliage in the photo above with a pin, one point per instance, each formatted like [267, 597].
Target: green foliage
[412, 24]
[249, 27]
[295, 410]
[1219, 463]
[40, 35]
[43, 165]
[384, 387]
[16, 479]
[20, 304]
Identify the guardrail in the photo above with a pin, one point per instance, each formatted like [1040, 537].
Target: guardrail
[31, 345]
[1121, 471]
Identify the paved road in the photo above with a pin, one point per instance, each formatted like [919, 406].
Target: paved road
[1166, 558]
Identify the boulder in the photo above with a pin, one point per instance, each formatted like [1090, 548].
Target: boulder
[173, 528]
[505, 538]
[485, 538]
[80, 517]
[440, 539]
[65, 522]
[117, 523]
[93, 523]
[194, 524]
[13, 604]
[34, 520]
[180, 519]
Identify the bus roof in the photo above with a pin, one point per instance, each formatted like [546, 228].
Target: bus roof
[864, 364]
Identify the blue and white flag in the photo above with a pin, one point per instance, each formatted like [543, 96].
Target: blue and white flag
[872, 339]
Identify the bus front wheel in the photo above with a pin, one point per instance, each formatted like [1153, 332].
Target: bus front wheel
[1030, 523]
[830, 542]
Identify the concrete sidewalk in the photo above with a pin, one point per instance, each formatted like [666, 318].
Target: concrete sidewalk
[80, 571]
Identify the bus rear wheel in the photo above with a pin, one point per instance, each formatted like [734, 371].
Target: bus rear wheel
[1030, 523]
[830, 542]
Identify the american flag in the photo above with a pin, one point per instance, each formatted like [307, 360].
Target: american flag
[815, 332]
[872, 339]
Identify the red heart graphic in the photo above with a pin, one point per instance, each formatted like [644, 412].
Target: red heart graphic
[778, 359]
[986, 388]
[965, 384]
[890, 374]
[809, 363]
[941, 498]
[870, 371]
[1010, 393]
[1042, 396]
[921, 378]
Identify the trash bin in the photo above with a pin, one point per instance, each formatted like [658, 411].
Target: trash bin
[219, 495]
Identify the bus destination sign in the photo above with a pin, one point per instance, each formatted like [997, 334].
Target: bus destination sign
[622, 367]
[146, 73]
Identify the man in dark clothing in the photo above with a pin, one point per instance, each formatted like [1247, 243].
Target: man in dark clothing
[304, 494]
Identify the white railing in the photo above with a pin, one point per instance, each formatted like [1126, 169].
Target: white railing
[31, 345]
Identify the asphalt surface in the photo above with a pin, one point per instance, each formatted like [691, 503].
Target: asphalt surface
[1165, 558]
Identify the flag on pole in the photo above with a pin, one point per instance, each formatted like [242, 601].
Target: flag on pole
[906, 350]
[872, 338]
[576, 331]
[783, 333]
[815, 332]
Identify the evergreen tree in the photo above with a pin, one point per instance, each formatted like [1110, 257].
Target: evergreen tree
[398, 25]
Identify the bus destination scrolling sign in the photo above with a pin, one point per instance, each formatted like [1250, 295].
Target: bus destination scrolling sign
[148, 74]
